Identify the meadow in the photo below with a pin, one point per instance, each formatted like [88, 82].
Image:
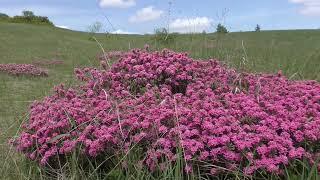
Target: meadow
[296, 53]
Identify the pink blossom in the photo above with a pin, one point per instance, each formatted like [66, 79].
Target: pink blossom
[23, 69]
[165, 101]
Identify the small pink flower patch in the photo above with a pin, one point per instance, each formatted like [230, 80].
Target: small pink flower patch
[23, 69]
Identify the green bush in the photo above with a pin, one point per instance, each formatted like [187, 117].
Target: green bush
[162, 36]
[4, 17]
[28, 14]
[27, 17]
[221, 29]
[40, 20]
[94, 28]
[258, 28]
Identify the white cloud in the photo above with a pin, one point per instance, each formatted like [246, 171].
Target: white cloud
[117, 3]
[146, 14]
[309, 7]
[63, 27]
[190, 25]
[120, 31]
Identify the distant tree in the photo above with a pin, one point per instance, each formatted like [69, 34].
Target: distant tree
[258, 28]
[28, 14]
[221, 28]
[2, 15]
[95, 27]
[27, 17]
[163, 36]
[204, 32]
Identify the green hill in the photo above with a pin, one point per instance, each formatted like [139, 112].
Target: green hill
[291, 51]
[295, 52]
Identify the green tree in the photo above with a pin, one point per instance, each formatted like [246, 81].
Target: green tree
[28, 14]
[258, 28]
[163, 36]
[2, 15]
[95, 27]
[221, 28]
[27, 17]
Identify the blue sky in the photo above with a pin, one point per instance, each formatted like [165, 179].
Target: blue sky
[143, 16]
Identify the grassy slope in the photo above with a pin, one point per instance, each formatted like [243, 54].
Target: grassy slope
[291, 51]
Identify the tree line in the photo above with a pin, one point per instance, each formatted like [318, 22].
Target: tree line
[27, 17]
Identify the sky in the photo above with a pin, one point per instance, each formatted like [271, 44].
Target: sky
[183, 16]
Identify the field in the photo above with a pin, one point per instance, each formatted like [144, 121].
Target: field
[295, 52]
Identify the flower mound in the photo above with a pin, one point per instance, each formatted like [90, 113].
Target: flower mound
[23, 69]
[165, 101]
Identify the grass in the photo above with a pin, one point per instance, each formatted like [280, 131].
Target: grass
[295, 52]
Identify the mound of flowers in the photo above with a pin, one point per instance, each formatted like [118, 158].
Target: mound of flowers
[23, 69]
[165, 101]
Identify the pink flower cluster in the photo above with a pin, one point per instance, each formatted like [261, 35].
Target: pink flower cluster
[165, 101]
[23, 69]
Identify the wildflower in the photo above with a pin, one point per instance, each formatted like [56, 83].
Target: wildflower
[164, 101]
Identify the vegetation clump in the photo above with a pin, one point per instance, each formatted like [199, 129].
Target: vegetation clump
[94, 28]
[165, 109]
[221, 29]
[258, 28]
[163, 36]
[27, 17]
[23, 69]
[4, 17]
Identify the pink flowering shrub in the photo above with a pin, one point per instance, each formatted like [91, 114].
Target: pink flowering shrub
[165, 101]
[23, 69]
